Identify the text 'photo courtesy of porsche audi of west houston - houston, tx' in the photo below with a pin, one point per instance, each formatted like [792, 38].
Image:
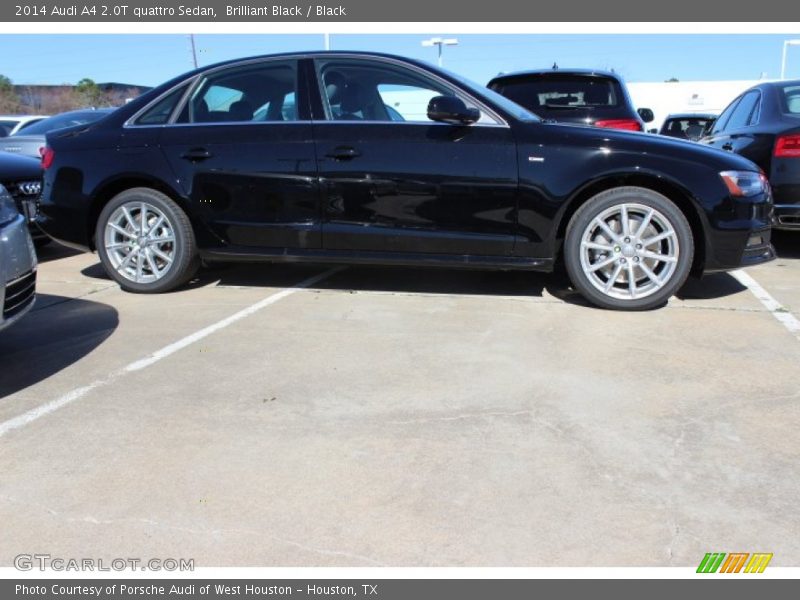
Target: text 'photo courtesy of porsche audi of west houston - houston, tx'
[352, 157]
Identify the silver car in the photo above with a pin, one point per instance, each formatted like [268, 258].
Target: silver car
[17, 262]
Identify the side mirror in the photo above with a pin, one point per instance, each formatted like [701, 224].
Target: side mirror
[646, 114]
[449, 109]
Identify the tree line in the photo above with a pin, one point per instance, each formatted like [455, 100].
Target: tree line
[53, 99]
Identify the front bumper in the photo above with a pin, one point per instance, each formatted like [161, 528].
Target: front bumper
[17, 271]
[740, 234]
[787, 216]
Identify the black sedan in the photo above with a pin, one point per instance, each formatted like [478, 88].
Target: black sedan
[763, 125]
[211, 166]
[22, 177]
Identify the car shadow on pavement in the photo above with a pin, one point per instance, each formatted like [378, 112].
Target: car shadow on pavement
[384, 279]
[56, 333]
[54, 251]
[425, 280]
[787, 243]
[709, 287]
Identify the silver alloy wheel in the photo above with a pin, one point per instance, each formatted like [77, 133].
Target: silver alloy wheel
[629, 251]
[140, 242]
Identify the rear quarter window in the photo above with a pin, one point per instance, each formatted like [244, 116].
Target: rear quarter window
[790, 99]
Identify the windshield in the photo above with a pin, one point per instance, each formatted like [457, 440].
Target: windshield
[64, 120]
[790, 99]
[507, 105]
[561, 91]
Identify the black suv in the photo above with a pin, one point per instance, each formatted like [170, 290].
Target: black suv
[370, 158]
[597, 98]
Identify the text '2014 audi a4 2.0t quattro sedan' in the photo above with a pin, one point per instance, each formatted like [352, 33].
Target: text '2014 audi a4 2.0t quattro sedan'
[366, 158]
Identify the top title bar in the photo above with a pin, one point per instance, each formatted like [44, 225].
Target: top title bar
[405, 11]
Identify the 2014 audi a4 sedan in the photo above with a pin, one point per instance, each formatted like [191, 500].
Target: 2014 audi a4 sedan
[366, 158]
[763, 125]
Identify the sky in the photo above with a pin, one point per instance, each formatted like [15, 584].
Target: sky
[149, 59]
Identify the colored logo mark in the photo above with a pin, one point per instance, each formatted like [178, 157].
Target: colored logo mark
[734, 562]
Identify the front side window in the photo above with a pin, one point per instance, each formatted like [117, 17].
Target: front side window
[255, 93]
[360, 90]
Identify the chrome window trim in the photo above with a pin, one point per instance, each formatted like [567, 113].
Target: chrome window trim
[758, 108]
[131, 122]
[195, 80]
[501, 122]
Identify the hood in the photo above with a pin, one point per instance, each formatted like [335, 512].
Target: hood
[13, 167]
[655, 145]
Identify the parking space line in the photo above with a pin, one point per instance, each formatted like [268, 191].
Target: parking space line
[151, 359]
[787, 319]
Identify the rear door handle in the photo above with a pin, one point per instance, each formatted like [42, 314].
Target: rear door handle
[343, 153]
[196, 154]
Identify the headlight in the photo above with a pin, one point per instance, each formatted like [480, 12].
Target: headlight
[745, 183]
[8, 210]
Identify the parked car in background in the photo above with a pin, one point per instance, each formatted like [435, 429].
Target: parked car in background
[17, 262]
[763, 125]
[11, 124]
[21, 177]
[687, 126]
[596, 98]
[30, 140]
[188, 172]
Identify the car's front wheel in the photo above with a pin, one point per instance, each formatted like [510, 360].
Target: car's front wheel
[145, 241]
[628, 248]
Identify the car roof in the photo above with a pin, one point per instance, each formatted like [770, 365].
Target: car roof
[559, 71]
[314, 54]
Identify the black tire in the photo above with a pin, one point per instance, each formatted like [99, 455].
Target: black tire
[673, 277]
[185, 261]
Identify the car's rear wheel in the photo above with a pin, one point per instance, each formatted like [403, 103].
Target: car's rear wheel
[628, 248]
[145, 241]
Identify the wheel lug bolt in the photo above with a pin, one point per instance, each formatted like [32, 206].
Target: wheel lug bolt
[635, 259]
[623, 261]
[638, 246]
[616, 248]
[627, 240]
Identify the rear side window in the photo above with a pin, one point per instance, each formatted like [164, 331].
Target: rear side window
[161, 111]
[256, 93]
[722, 121]
[790, 99]
[743, 111]
[562, 91]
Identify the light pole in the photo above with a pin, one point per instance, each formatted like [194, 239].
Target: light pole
[193, 49]
[786, 44]
[439, 42]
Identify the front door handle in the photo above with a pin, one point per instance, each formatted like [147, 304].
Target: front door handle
[727, 146]
[343, 153]
[196, 154]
